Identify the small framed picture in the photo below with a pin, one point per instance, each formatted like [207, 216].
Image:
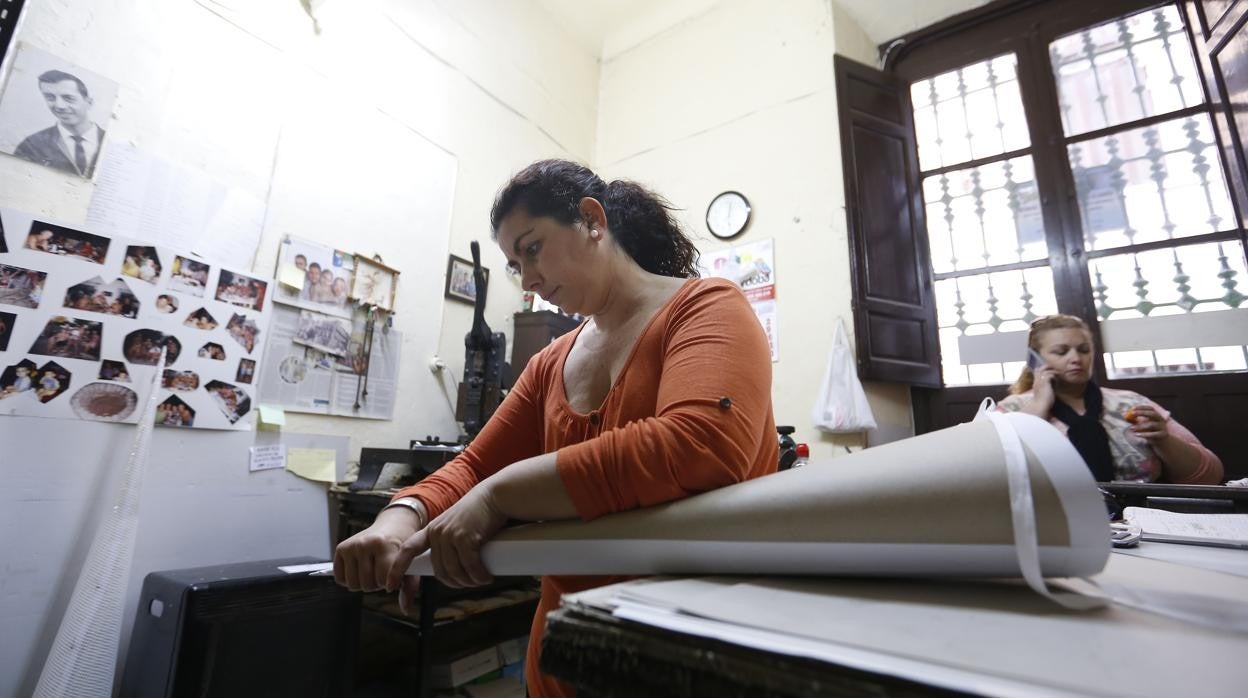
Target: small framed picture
[460, 284]
[374, 283]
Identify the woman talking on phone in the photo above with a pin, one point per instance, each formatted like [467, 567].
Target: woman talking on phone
[1120, 434]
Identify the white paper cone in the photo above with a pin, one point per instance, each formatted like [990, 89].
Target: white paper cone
[936, 504]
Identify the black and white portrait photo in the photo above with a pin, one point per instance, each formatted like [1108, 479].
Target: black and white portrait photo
[52, 112]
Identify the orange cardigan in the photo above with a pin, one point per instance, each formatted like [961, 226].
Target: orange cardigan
[689, 412]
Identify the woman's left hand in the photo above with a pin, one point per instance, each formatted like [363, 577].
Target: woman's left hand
[454, 540]
[1150, 424]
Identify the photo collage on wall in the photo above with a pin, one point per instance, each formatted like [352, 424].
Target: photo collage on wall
[84, 319]
[316, 361]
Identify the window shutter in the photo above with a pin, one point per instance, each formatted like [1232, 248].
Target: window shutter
[894, 308]
[1224, 57]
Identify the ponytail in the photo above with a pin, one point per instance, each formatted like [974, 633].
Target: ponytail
[640, 220]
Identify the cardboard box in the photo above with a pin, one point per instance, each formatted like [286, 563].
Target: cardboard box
[449, 674]
[502, 688]
[513, 650]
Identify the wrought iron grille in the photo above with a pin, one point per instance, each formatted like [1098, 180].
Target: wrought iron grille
[984, 216]
[1155, 211]
[985, 229]
[1148, 180]
[1159, 182]
[1202, 278]
[970, 113]
[1125, 70]
[980, 304]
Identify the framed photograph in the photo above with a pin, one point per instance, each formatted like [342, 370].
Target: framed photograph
[460, 284]
[374, 283]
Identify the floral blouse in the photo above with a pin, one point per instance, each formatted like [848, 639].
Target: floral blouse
[1134, 458]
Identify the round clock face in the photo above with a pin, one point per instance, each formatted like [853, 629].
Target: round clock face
[728, 215]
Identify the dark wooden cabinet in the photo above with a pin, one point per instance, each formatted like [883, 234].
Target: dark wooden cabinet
[396, 652]
[533, 332]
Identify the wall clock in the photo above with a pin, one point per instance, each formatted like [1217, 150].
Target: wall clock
[728, 215]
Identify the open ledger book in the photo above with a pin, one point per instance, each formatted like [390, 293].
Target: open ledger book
[1219, 530]
[937, 504]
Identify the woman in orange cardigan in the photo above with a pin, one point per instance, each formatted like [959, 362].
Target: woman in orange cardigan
[664, 392]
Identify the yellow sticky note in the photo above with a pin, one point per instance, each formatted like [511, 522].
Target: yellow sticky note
[290, 275]
[312, 463]
[272, 417]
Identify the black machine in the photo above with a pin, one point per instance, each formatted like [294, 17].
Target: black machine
[422, 457]
[486, 374]
[243, 629]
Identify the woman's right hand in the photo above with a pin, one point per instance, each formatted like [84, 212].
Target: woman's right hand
[362, 561]
[1042, 396]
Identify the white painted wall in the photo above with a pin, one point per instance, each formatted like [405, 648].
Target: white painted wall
[338, 130]
[743, 97]
[199, 506]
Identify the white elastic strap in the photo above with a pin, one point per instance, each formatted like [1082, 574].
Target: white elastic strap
[1023, 514]
[1182, 606]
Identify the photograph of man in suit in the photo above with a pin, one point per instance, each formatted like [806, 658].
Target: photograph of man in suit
[73, 143]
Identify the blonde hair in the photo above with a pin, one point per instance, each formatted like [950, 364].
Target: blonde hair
[1050, 322]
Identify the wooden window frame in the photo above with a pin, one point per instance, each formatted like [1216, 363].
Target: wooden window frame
[1026, 28]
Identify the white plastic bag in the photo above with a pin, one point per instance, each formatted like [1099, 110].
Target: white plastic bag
[841, 405]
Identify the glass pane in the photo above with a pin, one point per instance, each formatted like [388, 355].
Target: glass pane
[969, 113]
[1127, 69]
[1155, 183]
[1196, 279]
[987, 304]
[984, 216]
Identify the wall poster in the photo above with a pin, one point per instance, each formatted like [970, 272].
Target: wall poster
[752, 266]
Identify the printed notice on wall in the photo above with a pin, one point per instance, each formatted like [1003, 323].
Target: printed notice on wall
[315, 361]
[268, 457]
[752, 266]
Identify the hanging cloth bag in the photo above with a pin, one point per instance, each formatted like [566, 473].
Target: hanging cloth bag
[841, 405]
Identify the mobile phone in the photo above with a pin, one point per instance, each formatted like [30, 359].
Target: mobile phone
[1034, 360]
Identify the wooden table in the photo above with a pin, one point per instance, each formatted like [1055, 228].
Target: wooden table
[830, 637]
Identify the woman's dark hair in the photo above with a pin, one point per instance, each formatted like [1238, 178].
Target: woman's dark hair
[640, 220]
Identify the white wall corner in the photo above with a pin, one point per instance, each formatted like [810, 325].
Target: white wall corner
[851, 40]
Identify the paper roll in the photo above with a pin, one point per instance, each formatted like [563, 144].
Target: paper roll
[936, 504]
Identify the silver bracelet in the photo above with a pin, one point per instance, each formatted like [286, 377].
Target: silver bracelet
[409, 503]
